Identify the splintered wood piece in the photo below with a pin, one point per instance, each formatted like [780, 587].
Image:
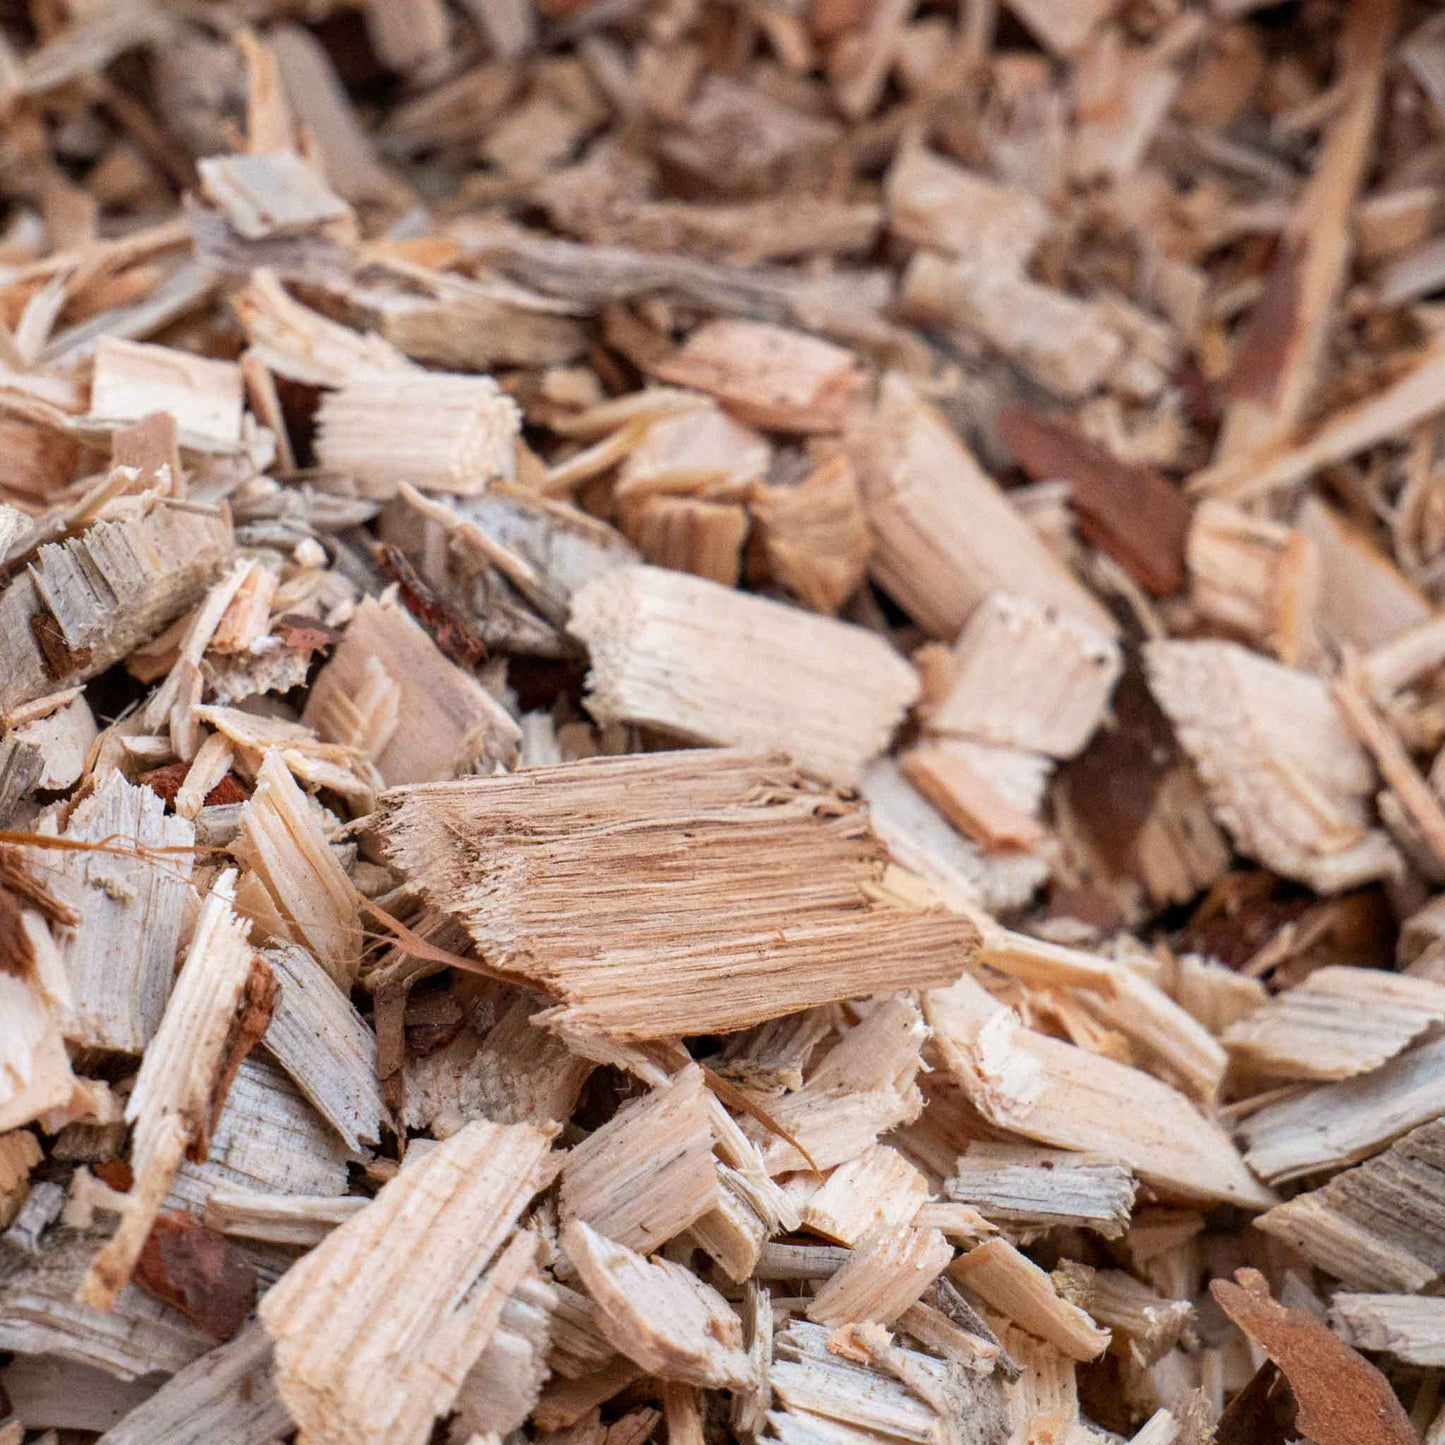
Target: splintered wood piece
[659, 1314]
[1125, 508]
[87, 602]
[1409, 1327]
[130, 902]
[1020, 1184]
[1337, 1124]
[1380, 1225]
[502, 1388]
[219, 1007]
[1058, 1094]
[279, 1218]
[888, 1270]
[1339, 1022]
[770, 915]
[325, 1045]
[690, 535]
[227, 1393]
[939, 205]
[863, 1088]
[439, 431]
[713, 665]
[876, 1187]
[874, 1390]
[1282, 772]
[1341, 1399]
[1017, 1288]
[288, 862]
[944, 535]
[376, 1328]
[922, 840]
[40, 1315]
[1024, 675]
[767, 375]
[132, 380]
[814, 534]
[269, 195]
[1144, 1324]
[35, 1074]
[649, 1172]
[446, 722]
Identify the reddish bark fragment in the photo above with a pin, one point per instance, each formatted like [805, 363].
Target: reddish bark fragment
[453, 633]
[198, 1271]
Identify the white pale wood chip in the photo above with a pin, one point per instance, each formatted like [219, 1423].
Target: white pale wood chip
[944, 534]
[888, 1270]
[1020, 1184]
[35, 1074]
[877, 1186]
[1058, 1094]
[284, 852]
[319, 1038]
[770, 915]
[445, 722]
[1341, 1021]
[1282, 772]
[1409, 1327]
[130, 893]
[710, 664]
[1332, 1125]
[226, 1394]
[439, 431]
[280, 1218]
[659, 1314]
[175, 1095]
[269, 195]
[502, 1388]
[133, 379]
[377, 1327]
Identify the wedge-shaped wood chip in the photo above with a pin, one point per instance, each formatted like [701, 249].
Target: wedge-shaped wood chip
[1023, 1185]
[502, 1388]
[269, 195]
[879, 1185]
[294, 889]
[659, 1314]
[887, 1271]
[1059, 1094]
[649, 1172]
[377, 1327]
[133, 380]
[130, 898]
[944, 535]
[1336, 1124]
[746, 886]
[325, 1045]
[226, 1394]
[1339, 1022]
[218, 1008]
[1380, 1225]
[86, 602]
[1027, 676]
[442, 722]
[710, 664]
[1282, 772]
[441, 432]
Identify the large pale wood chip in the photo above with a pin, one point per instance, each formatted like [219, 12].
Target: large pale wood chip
[132, 380]
[227, 1393]
[1024, 675]
[502, 1388]
[767, 375]
[446, 722]
[220, 1005]
[376, 1328]
[1409, 1327]
[130, 898]
[1022, 1185]
[1058, 1094]
[944, 534]
[1336, 1124]
[439, 431]
[1339, 1022]
[1017, 1288]
[709, 664]
[649, 1172]
[877, 1186]
[1380, 1225]
[325, 1045]
[769, 915]
[888, 1270]
[87, 602]
[1282, 772]
[288, 862]
[659, 1314]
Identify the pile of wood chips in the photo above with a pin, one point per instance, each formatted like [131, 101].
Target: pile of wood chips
[722, 719]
